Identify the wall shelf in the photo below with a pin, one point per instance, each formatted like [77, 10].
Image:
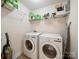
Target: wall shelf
[62, 15]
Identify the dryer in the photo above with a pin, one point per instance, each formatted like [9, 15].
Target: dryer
[50, 46]
[31, 45]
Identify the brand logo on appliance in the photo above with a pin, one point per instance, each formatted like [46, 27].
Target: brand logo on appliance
[58, 40]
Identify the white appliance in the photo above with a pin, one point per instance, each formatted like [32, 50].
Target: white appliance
[31, 45]
[50, 46]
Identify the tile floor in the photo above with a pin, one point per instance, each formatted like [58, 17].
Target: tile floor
[23, 57]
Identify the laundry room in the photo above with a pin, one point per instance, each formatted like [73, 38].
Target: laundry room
[39, 29]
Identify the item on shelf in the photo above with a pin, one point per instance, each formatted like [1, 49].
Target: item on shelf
[38, 17]
[12, 3]
[46, 16]
[31, 14]
[61, 8]
[52, 15]
[32, 17]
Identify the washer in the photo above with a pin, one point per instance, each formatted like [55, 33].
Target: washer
[31, 45]
[50, 46]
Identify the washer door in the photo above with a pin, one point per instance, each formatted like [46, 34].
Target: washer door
[50, 50]
[29, 45]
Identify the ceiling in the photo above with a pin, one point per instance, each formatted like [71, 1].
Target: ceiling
[38, 4]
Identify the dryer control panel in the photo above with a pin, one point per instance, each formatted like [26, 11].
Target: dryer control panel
[57, 40]
[33, 36]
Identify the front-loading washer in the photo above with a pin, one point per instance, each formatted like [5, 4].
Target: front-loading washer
[50, 46]
[31, 45]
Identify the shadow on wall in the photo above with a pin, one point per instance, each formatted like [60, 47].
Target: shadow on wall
[5, 11]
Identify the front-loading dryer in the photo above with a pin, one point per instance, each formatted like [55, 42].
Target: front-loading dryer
[50, 46]
[31, 45]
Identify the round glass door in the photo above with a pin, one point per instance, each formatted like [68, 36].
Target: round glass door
[49, 51]
[28, 45]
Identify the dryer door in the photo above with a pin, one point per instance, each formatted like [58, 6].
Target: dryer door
[50, 50]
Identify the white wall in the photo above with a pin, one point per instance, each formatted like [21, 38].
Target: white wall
[74, 28]
[16, 24]
[57, 25]
[49, 23]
